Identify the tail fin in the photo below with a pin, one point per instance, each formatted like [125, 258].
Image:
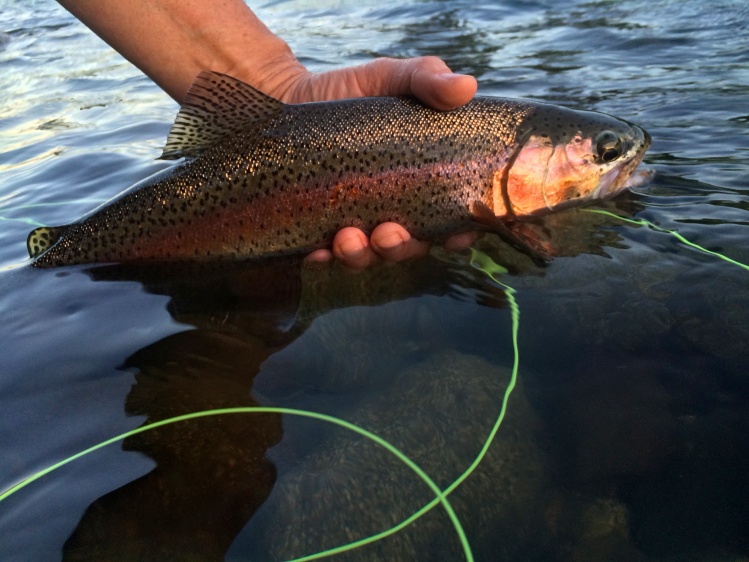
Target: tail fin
[43, 238]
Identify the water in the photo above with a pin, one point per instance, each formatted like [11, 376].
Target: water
[626, 437]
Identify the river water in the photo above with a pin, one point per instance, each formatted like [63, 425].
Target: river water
[626, 436]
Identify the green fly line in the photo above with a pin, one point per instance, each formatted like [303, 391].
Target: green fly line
[479, 261]
[32, 222]
[491, 269]
[679, 237]
[54, 204]
[270, 410]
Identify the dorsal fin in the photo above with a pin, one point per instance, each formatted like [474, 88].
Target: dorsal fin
[42, 239]
[216, 106]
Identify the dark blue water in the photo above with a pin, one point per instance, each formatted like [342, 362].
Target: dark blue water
[626, 438]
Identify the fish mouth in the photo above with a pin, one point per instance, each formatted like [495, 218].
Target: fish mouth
[640, 178]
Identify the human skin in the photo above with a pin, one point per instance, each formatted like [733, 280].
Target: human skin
[171, 41]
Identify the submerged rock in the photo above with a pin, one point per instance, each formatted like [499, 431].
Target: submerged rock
[439, 413]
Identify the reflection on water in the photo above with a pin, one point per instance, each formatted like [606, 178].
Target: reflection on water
[210, 477]
[627, 437]
[216, 474]
[359, 346]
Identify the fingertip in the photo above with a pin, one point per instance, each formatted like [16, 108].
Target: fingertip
[351, 247]
[392, 242]
[461, 90]
[388, 236]
[445, 90]
[460, 241]
[318, 258]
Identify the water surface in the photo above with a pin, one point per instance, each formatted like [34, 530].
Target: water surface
[626, 438]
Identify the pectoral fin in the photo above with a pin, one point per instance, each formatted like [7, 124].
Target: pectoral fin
[43, 238]
[484, 216]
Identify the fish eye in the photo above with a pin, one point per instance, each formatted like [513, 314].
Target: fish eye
[608, 146]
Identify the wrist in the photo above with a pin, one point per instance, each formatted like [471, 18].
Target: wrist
[268, 65]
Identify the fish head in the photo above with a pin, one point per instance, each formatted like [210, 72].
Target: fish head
[567, 157]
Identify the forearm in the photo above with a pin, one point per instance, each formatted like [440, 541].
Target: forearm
[173, 40]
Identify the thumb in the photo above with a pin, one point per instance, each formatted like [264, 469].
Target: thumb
[426, 78]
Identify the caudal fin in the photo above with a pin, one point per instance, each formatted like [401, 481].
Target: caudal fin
[43, 238]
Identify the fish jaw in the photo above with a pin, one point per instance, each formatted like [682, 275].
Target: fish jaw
[589, 156]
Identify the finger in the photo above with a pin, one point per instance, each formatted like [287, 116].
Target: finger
[318, 258]
[427, 78]
[460, 241]
[351, 246]
[392, 242]
[442, 90]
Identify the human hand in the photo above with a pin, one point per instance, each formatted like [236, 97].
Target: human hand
[172, 41]
[426, 78]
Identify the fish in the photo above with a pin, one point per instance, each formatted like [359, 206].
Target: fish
[260, 178]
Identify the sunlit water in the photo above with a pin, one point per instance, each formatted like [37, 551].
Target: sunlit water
[627, 437]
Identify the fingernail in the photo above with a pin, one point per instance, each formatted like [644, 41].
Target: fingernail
[451, 75]
[351, 247]
[390, 241]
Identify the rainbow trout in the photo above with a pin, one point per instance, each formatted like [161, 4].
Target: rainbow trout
[262, 178]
